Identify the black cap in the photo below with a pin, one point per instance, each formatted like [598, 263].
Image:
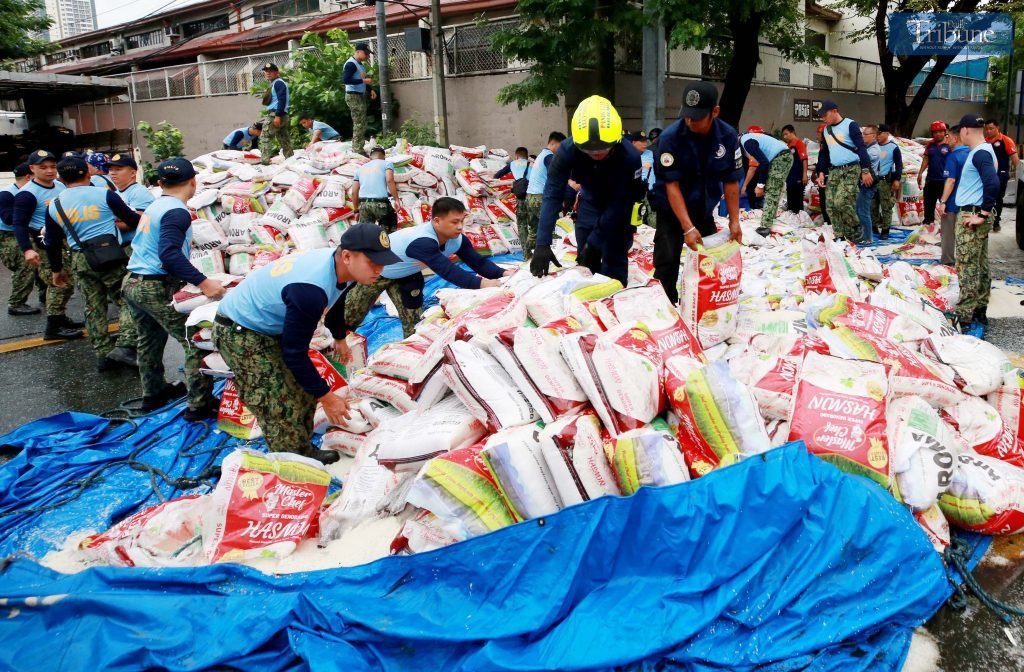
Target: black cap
[955, 129]
[636, 136]
[826, 105]
[21, 170]
[653, 134]
[699, 99]
[972, 121]
[37, 157]
[175, 171]
[270, 66]
[884, 128]
[72, 168]
[124, 160]
[372, 241]
[363, 46]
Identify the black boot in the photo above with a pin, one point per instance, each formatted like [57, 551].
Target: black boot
[159, 400]
[204, 412]
[123, 355]
[56, 331]
[23, 309]
[71, 324]
[981, 316]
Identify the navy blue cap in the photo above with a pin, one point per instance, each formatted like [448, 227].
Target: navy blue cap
[372, 241]
[972, 121]
[21, 170]
[123, 160]
[72, 168]
[699, 99]
[72, 154]
[363, 46]
[270, 66]
[175, 171]
[636, 136]
[37, 157]
[826, 105]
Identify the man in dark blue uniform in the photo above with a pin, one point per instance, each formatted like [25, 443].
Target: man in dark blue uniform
[697, 157]
[608, 168]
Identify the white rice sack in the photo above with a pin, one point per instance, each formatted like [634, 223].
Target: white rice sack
[979, 365]
[367, 485]
[405, 443]
[239, 231]
[209, 262]
[300, 196]
[981, 426]
[163, 535]
[343, 441]
[208, 235]
[240, 263]
[280, 216]
[573, 449]
[648, 456]
[620, 372]
[308, 233]
[203, 199]
[515, 458]
[924, 451]
[913, 307]
[438, 163]
[332, 195]
[1008, 400]
[710, 291]
[485, 388]
[986, 495]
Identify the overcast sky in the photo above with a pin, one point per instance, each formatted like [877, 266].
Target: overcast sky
[112, 12]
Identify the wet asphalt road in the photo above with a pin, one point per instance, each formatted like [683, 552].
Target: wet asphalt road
[49, 379]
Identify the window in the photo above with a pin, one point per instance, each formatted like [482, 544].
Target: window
[815, 39]
[283, 9]
[153, 38]
[210, 25]
[94, 50]
[822, 82]
[784, 75]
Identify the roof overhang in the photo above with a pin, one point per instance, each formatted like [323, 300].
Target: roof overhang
[62, 90]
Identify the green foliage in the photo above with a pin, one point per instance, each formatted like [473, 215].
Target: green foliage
[414, 132]
[997, 77]
[18, 19]
[164, 142]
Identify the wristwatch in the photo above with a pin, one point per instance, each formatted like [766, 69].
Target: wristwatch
[760, 186]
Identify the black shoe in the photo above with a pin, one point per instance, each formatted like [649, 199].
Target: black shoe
[996, 228]
[980, 316]
[23, 309]
[883, 235]
[204, 412]
[763, 231]
[327, 456]
[56, 331]
[71, 324]
[159, 400]
[125, 356]
[104, 364]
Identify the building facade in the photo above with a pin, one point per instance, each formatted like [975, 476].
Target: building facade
[70, 18]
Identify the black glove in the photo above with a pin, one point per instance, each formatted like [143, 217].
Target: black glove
[542, 258]
[591, 258]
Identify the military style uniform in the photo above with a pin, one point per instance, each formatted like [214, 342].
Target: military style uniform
[29, 215]
[11, 256]
[374, 206]
[847, 158]
[890, 160]
[277, 106]
[528, 207]
[977, 191]
[138, 199]
[774, 162]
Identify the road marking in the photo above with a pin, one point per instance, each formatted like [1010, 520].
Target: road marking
[28, 343]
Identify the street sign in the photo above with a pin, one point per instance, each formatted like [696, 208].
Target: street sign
[801, 110]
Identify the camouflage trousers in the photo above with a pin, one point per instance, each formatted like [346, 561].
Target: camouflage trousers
[778, 169]
[281, 136]
[267, 386]
[357, 108]
[100, 289]
[972, 266]
[527, 220]
[360, 300]
[156, 319]
[56, 298]
[127, 334]
[21, 273]
[378, 212]
[881, 210]
[842, 189]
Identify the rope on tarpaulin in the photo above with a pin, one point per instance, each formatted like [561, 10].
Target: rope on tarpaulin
[957, 557]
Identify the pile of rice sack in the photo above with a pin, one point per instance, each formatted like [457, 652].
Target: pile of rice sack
[511, 403]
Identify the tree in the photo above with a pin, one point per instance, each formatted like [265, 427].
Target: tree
[998, 67]
[18, 20]
[899, 72]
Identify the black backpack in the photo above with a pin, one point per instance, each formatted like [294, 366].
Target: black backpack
[520, 185]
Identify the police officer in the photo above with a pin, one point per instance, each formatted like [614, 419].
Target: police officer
[355, 80]
[890, 175]
[820, 174]
[80, 214]
[263, 328]
[867, 194]
[124, 174]
[428, 245]
[159, 267]
[372, 184]
[847, 167]
[976, 198]
[1006, 161]
[528, 207]
[245, 137]
[774, 162]
[276, 99]
[946, 209]
[607, 168]
[99, 170]
[698, 155]
[796, 180]
[321, 131]
[21, 273]
[933, 164]
[28, 216]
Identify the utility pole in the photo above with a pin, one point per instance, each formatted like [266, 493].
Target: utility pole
[649, 71]
[382, 68]
[438, 56]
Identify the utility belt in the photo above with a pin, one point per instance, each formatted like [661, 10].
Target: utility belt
[374, 200]
[170, 283]
[972, 209]
[225, 321]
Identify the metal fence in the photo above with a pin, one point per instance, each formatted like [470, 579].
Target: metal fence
[838, 74]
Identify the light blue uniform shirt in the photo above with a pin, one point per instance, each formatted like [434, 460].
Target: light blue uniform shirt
[839, 155]
[88, 211]
[145, 258]
[8, 226]
[539, 173]
[372, 178]
[401, 240]
[326, 132]
[971, 190]
[769, 146]
[138, 198]
[360, 74]
[43, 197]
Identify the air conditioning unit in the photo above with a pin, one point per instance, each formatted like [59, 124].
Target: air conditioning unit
[172, 31]
[117, 47]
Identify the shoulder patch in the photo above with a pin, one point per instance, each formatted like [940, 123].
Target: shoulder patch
[667, 159]
[720, 151]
